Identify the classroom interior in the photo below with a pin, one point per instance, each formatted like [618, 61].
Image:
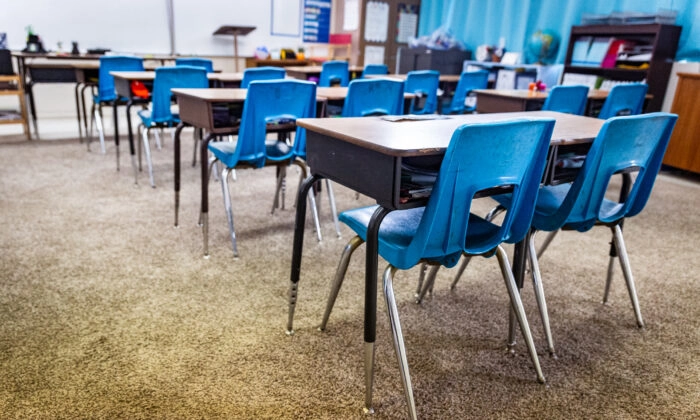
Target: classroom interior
[110, 307]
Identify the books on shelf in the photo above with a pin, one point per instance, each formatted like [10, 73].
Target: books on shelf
[590, 80]
[600, 51]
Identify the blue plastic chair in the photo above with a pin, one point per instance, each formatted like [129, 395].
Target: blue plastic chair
[196, 62]
[627, 99]
[106, 94]
[334, 73]
[160, 113]
[570, 99]
[262, 73]
[624, 145]
[468, 81]
[444, 229]
[424, 84]
[268, 103]
[375, 69]
[367, 97]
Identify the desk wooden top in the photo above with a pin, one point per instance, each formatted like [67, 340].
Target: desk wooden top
[593, 94]
[213, 94]
[316, 69]
[427, 137]
[336, 93]
[145, 76]
[445, 78]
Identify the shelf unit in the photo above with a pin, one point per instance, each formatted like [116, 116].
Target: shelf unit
[684, 150]
[12, 85]
[661, 40]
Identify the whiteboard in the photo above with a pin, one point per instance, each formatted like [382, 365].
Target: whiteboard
[196, 20]
[141, 26]
[138, 26]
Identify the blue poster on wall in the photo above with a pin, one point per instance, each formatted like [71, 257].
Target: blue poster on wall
[317, 20]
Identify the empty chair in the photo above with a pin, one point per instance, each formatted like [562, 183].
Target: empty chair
[371, 69]
[196, 62]
[334, 73]
[626, 99]
[106, 94]
[570, 99]
[160, 112]
[631, 144]
[367, 97]
[262, 73]
[424, 84]
[445, 228]
[468, 81]
[267, 102]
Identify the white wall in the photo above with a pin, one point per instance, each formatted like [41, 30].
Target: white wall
[141, 26]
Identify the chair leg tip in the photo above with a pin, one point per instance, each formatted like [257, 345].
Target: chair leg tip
[289, 332]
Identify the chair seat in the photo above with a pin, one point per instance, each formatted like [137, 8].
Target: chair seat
[226, 152]
[399, 228]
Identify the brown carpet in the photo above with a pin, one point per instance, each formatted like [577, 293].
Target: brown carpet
[107, 311]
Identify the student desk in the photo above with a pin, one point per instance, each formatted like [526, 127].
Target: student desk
[516, 100]
[365, 154]
[200, 108]
[122, 85]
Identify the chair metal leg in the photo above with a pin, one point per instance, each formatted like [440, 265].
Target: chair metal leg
[399, 346]
[517, 306]
[421, 278]
[462, 266]
[314, 212]
[279, 187]
[147, 151]
[156, 136]
[430, 281]
[547, 241]
[334, 211]
[608, 279]
[100, 128]
[229, 209]
[495, 212]
[627, 272]
[539, 293]
[350, 247]
[197, 134]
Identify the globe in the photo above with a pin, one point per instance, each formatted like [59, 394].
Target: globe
[541, 47]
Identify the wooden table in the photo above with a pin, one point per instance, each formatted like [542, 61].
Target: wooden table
[517, 100]
[365, 154]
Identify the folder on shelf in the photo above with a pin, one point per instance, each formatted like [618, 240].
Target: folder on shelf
[599, 48]
[580, 51]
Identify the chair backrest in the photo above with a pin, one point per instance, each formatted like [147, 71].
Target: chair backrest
[479, 157]
[468, 81]
[171, 77]
[109, 63]
[271, 101]
[570, 99]
[262, 73]
[375, 69]
[334, 72]
[423, 83]
[626, 99]
[196, 62]
[630, 143]
[368, 97]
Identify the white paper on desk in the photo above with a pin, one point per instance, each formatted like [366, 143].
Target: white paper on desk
[374, 54]
[376, 21]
